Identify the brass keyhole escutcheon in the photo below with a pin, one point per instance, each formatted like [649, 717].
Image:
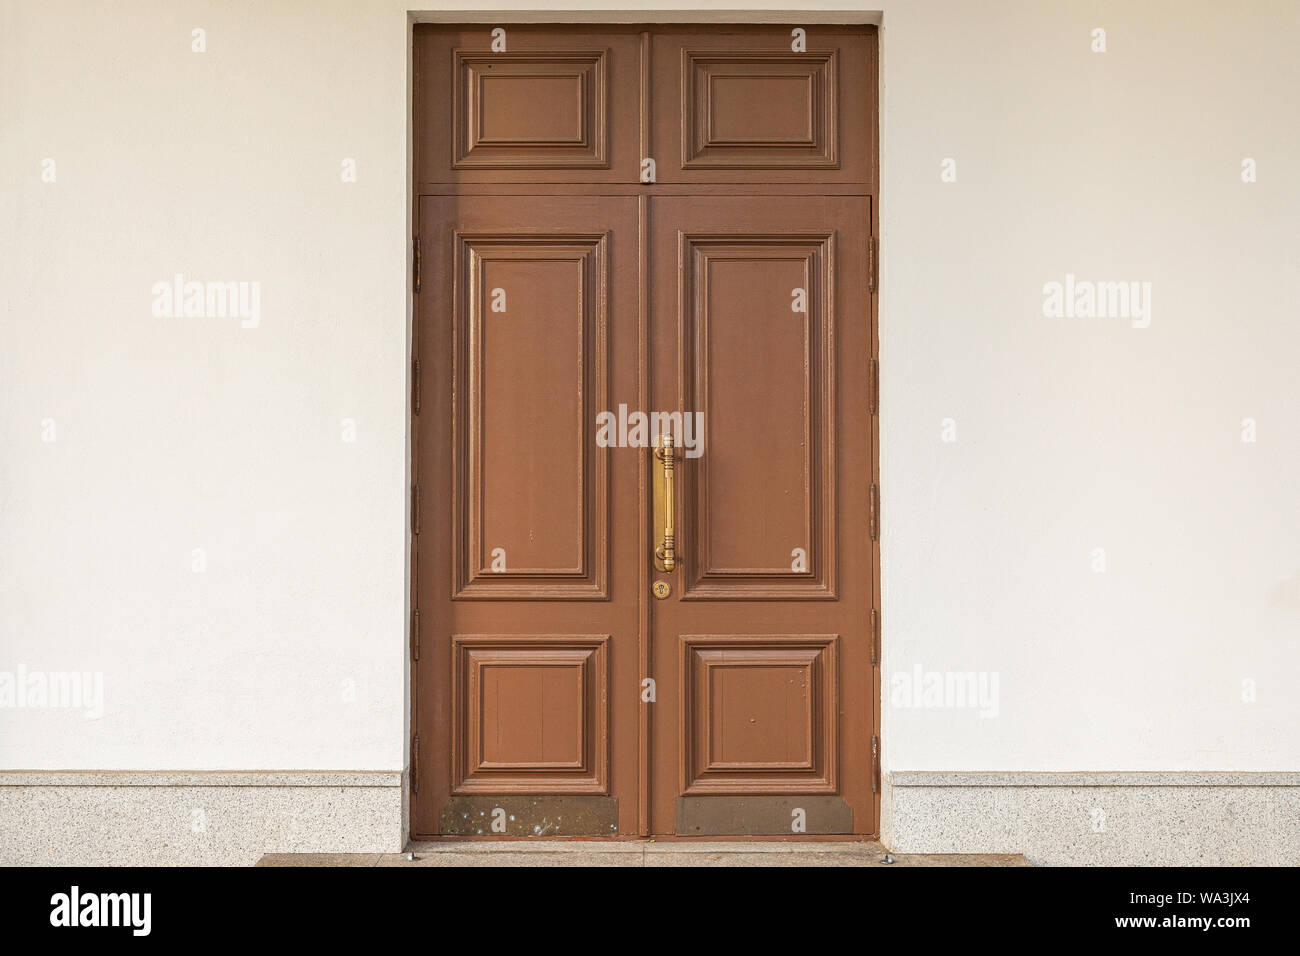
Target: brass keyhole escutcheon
[661, 589]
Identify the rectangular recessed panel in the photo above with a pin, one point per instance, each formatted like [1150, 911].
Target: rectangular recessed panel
[530, 110]
[529, 711]
[756, 410]
[525, 104]
[759, 713]
[744, 734]
[529, 714]
[530, 490]
[531, 374]
[502, 123]
[758, 365]
[759, 110]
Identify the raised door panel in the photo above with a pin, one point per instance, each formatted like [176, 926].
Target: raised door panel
[530, 714]
[532, 105]
[756, 111]
[757, 326]
[530, 496]
[748, 107]
[530, 110]
[760, 714]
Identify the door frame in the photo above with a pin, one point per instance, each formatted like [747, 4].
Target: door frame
[703, 17]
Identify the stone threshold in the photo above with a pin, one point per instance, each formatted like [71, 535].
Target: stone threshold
[641, 853]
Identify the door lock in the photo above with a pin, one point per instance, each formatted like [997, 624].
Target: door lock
[661, 589]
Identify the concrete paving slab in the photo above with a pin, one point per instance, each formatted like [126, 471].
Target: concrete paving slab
[476, 859]
[320, 859]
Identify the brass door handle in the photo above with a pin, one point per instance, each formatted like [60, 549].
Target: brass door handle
[666, 552]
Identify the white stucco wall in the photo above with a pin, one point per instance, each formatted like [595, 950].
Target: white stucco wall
[183, 433]
[289, 650]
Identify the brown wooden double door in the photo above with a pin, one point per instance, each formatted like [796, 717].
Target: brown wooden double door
[568, 680]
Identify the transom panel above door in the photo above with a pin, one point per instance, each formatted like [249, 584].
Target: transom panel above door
[540, 104]
[643, 555]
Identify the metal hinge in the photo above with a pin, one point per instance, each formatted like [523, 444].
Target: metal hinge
[415, 265]
[875, 386]
[415, 509]
[415, 633]
[875, 512]
[875, 636]
[415, 386]
[871, 263]
[875, 764]
[415, 764]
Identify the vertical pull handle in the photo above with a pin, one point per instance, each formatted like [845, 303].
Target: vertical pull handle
[666, 552]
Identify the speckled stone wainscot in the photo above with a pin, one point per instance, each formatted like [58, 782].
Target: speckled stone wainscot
[218, 818]
[1168, 819]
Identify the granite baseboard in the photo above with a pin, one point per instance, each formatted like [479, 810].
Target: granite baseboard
[195, 819]
[1100, 819]
[235, 818]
